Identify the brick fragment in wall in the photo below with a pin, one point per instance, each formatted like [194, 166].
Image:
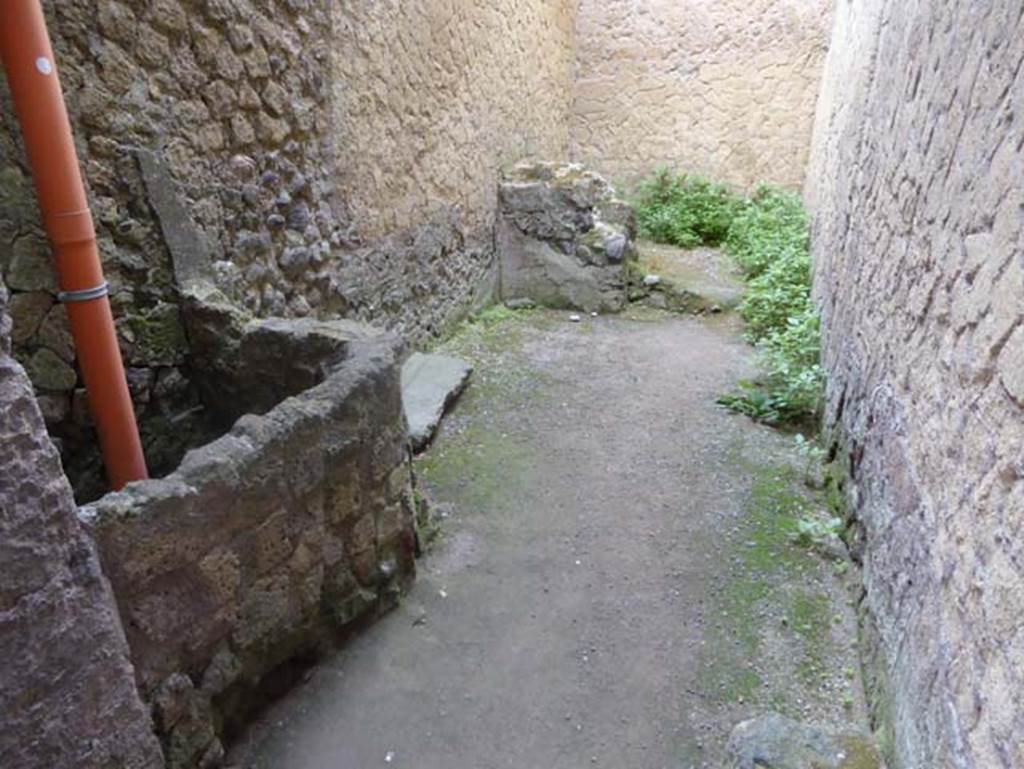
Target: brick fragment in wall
[915, 192]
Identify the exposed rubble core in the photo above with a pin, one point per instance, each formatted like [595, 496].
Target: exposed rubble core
[564, 240]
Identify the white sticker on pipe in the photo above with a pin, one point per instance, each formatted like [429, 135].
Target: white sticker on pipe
[44, 65]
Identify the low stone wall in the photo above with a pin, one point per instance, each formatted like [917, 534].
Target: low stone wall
[66, 679]
[265, 543]
[915, 192]
[564, 240]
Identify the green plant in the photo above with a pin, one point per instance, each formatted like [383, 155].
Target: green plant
[813, 456]
[766, 228]
[813, 531]
[767, 236]
[682, 210]
[779, 293]
[493, 315]
[769, 241]
[812, 453]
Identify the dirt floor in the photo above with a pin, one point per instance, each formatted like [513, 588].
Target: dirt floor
[614, 580]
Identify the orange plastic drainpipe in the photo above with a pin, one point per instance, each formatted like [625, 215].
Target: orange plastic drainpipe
[39, 103]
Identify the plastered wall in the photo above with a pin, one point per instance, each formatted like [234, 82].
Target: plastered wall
[917, 199]
[726, 89]
[433, 97]
[430, 99]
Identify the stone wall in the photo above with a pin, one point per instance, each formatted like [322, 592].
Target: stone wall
[918, 206]
[432, 98]
[565, 241]
[724, 88]
[334, 159]
[267, 543]
[66, 675]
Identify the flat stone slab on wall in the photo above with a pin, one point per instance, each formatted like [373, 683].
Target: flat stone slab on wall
[563, 239]
[265, 543]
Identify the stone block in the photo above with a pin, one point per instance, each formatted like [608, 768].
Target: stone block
[430, 384]
[27, 313]
[553, 247]
[50, 373]
[31, 268]
[55, 334]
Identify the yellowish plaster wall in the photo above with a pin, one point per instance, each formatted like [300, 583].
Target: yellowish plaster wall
[432, 97]
[725, 88]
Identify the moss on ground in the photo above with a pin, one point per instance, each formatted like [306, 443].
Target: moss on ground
[475, 463]
[492, 331]
[766, 598]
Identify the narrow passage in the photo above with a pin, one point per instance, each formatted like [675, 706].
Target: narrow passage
[613, 581]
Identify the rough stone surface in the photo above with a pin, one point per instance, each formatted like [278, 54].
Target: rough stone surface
[776, 742]
[67, 690]
[697, 280]
[916, 190]
[430, 383]
[554, 248]
[331, 159]
[724, 88]
[265, 543]
[357, 133]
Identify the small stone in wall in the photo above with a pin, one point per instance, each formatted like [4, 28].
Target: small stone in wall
[30, 268]
[615, 246]
[55, 334]
[27, 312]
[294, 261]
[48, 372]
[55, 407]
